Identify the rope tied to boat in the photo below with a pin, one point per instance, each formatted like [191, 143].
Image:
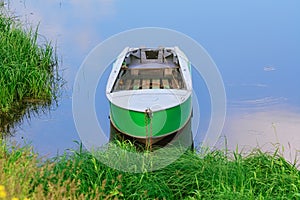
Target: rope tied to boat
[148, 118]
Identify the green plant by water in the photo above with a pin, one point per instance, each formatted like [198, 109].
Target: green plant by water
[28, 71]
[213, 175]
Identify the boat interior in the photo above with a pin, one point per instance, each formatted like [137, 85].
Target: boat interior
[149, 69]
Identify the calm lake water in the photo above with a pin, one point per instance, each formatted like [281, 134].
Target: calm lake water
[255, 45]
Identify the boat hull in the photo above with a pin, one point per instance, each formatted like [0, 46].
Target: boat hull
[183, 137]
[162, 123]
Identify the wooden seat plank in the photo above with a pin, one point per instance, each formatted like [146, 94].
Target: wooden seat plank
[165, 84]
[146, 84]
[155, 83]
[128, 84]
[136, 84]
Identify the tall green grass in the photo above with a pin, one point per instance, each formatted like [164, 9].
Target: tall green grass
[28, 70]
[213, 175]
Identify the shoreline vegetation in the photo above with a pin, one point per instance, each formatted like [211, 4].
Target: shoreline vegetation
[29, 78]
[213, 175]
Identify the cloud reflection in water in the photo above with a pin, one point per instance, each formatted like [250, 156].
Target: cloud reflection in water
[265, 129]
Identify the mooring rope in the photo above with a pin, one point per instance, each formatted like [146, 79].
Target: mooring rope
[148, 117]
[146, 127]
[151, 134]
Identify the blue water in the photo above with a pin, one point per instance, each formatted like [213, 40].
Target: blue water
[255, 45]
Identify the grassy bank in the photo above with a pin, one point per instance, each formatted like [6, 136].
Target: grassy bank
[28, 70]
[211, 176]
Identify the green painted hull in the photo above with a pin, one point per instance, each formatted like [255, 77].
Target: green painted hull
[163, 122]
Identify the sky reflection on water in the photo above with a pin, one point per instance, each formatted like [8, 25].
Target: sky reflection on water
[255, 44]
